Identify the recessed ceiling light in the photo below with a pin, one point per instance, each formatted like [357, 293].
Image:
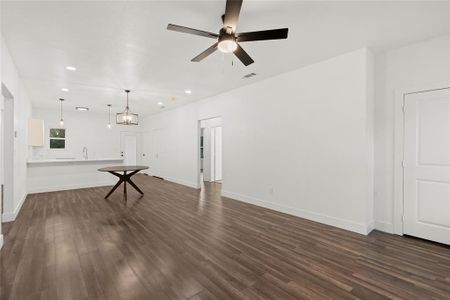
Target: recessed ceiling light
[82, 108]
[71, 68]
[65, 89]
[160, 103]
[188, 91]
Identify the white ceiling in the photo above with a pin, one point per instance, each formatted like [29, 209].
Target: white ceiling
[118, 45]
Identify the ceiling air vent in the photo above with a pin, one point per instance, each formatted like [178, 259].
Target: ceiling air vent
[249, 75]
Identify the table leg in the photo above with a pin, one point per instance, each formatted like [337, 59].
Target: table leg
[135, 186]
[125, 186]
[114, 188]
[124, 178]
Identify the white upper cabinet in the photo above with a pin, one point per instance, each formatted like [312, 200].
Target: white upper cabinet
[35, 132]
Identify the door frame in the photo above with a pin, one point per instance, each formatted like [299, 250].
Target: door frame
[399, 140]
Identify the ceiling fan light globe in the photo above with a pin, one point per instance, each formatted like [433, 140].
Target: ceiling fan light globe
[227, 46]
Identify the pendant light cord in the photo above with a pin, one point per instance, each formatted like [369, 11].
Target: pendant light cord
[127, 91]
[61, 108]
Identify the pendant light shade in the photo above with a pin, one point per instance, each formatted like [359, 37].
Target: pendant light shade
[61, 120]
[127, 117]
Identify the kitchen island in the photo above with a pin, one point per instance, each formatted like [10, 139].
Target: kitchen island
[47, 175]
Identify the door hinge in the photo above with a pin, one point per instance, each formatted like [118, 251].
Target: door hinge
[403, 163]
[404, 107]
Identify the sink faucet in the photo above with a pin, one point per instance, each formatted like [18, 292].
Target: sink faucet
[85, 153]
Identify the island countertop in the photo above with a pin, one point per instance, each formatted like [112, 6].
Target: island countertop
[72, 160]
[56, 174]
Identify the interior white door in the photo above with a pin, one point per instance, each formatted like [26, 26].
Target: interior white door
[427, 166]
[130, 150]
[218, 153]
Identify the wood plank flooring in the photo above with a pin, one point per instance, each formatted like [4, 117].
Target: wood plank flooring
[181, 243]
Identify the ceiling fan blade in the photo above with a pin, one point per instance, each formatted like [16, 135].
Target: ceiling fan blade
[232, 10]
[184, 29]
[273, 34]
[243, 56]
[205, 53]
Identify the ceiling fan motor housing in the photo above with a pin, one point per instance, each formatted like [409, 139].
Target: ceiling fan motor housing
[227, 40]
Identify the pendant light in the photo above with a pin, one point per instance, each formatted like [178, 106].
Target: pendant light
[61, 120]
[127, 117]
[109, 116]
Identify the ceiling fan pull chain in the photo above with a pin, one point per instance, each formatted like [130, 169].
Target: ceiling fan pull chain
[223, 64]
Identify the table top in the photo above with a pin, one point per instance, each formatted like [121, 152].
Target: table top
[122, 168]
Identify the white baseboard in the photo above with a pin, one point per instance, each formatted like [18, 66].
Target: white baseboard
[313, 216]
[68, 187]
[11, 216]
[370, 227]
[182, 182]
[384, 226]
[1, 241]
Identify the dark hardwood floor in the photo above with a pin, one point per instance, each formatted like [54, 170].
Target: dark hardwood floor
[180, 243]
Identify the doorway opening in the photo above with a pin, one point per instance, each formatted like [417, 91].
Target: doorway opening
[210, 151]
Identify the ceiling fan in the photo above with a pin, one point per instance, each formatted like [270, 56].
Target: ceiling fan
[227, 38]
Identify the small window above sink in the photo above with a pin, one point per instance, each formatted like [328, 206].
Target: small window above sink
[57, 138]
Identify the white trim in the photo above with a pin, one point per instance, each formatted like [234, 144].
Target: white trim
[384, 226]
[199, 159]
[11, 216]
[1, 241]
[368, 228]
[313, 216]
[183, 182]
[399, 147]
[69, 187]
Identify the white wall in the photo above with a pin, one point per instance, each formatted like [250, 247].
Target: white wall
[22, 111]
[299, 142]
[82, 129]
[404, 68]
